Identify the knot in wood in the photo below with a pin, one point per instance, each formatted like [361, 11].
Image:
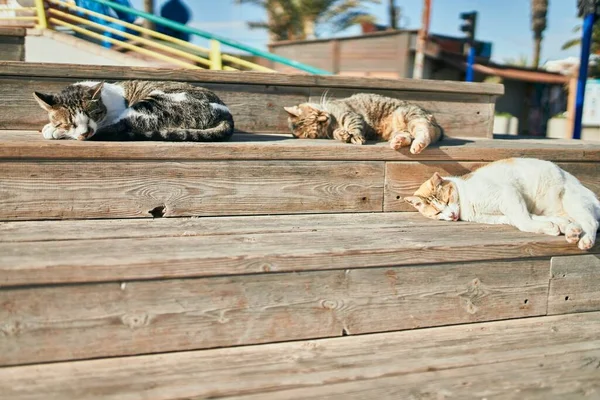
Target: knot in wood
[329, 304]
[11, 328]
[134, 321]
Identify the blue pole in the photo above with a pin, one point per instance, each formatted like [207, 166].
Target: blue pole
[470, 62]
[588, 26]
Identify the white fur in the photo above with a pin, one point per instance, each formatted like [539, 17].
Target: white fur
[532, 195]
[217, 106]
[178, 97]
[113, 98]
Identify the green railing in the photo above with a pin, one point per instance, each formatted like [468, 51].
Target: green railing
[228, 42]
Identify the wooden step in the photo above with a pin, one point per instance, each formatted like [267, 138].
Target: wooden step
[90, 289]
[253, 175]
[538, 358]
[255, 99]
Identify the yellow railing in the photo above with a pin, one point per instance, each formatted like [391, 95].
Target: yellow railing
[153, 44]
[40, 21]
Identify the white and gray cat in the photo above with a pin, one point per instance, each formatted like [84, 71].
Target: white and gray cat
[136, 110]
[533, 195]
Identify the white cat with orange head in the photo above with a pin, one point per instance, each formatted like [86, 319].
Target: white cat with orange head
[533, 195]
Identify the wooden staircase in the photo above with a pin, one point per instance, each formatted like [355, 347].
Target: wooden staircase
[275, 268]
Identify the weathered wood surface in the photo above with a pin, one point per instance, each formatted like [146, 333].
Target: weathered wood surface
[575, 284]
[114, 319]
[309, 365]
[573, 375]
[403, 178]
[97, 260]
[62, 189]
[74, 71]
[33, 231]
[30, 145]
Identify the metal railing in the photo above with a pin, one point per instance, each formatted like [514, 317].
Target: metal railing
[21, 20]
[150, 43]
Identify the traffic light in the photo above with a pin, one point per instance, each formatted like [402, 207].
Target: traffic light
[470, 21]
[586, 7]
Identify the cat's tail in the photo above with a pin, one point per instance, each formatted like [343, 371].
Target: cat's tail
[219, 133]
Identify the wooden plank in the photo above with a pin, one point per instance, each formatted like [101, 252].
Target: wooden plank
[108, 260]
[30, 145]
[12, 47]
[459, 116]
[63, 190]
[295, 365]
[573, 375]
[256, 108]
[402, 179]
[89, 321]
[35, 231]
[575, 284]
[74, 71]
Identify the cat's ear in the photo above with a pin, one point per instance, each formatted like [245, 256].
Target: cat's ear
[46, 101]
[294, 111]
[436, 179]
[96, 90]
[414, 201]
[323, 116]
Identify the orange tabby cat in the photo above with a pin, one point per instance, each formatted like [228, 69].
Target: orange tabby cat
[366, 116]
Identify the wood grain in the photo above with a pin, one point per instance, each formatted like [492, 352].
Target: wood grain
[575, 284]
[35, 231]
[113, 319]
[63, 190]
[564, 376]
[402, 179]
[459, 116]
[74, 71]
[30, 145]
[296, 365]
[48, 262]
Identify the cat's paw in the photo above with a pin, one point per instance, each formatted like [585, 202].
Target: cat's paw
[572, 233]
[585, 243]
[551, 229]
[360, 140]
[342, 135]
[417, 147]
[400, 140]
[50, 132]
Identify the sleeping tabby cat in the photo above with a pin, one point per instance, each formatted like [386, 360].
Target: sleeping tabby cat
[136, 110]
[533, 195]
[364, 117]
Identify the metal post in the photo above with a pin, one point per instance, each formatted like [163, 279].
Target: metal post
[42, 23]
[422, 41]
[588, 25]
[470, 62]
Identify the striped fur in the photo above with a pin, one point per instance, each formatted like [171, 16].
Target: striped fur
[136, 110]
[363, 117]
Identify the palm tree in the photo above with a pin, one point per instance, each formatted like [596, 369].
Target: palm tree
[298, 19]
[539, 10]
[595, 45]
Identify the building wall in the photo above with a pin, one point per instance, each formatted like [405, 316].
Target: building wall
[354, 56]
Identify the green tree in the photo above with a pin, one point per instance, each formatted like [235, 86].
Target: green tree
[595, 46]
[539, 10]
[299, 19]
